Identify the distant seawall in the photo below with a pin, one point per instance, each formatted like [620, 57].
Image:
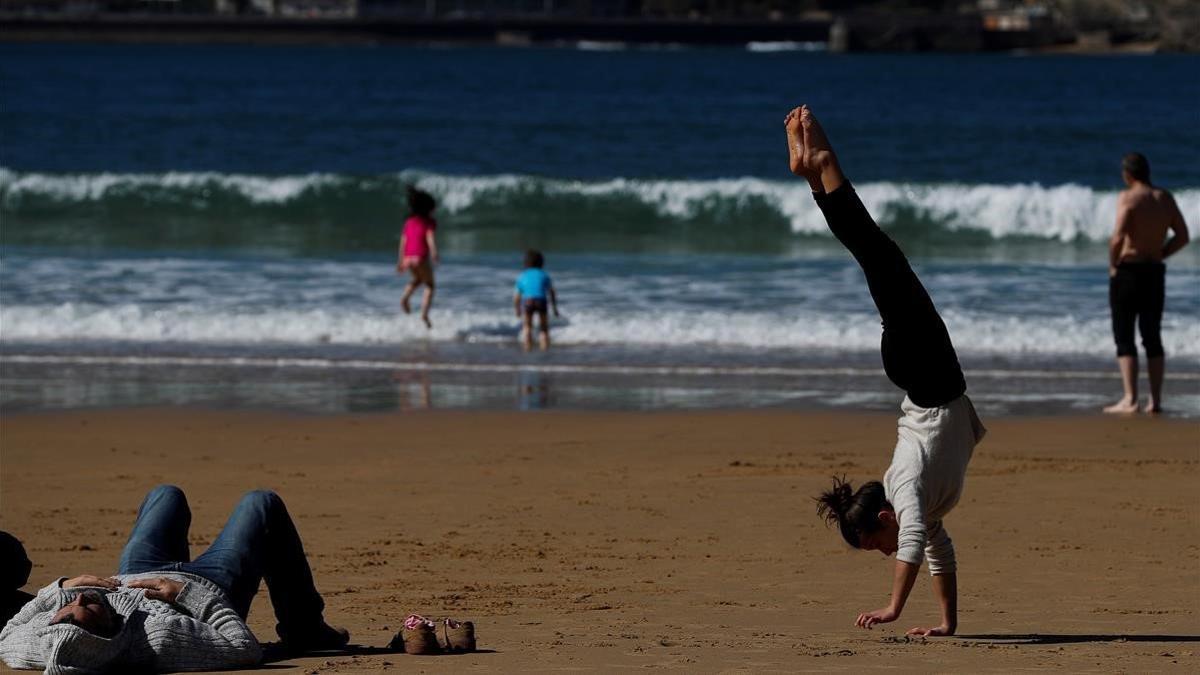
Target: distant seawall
[855, 32]
[492, 30]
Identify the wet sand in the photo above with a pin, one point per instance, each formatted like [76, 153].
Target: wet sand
[604, 541]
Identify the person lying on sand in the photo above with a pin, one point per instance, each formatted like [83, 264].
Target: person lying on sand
[939, 428]
[166, 612]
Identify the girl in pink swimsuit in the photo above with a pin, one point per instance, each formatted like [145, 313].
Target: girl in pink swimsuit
[418, 250]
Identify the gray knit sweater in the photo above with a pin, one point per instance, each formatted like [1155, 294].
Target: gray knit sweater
[925, 480]
[199, 631]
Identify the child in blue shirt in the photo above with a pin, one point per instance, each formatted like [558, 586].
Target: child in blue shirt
[533, 290]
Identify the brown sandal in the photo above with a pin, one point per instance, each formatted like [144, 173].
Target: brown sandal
[459, 636]
[418, 636]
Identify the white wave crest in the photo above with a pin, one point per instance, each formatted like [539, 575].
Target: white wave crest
[1060, 212]
[97, 186]
[1063, 212]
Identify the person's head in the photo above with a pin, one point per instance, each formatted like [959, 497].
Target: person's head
[533, 258]
[1135, 168]
[420, 202]
[865, 518]
[90, 611]
[14, 563]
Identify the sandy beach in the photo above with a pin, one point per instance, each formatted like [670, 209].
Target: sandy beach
[603, 541]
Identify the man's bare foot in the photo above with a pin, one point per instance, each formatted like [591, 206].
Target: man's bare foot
[405, 306]
[1126, 406]
[428, 323]
[1153, 408]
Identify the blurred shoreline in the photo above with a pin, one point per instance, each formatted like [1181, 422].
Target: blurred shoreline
[474, 377]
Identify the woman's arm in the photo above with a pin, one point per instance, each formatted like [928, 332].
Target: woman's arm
[939, 554]
[902, 583]
[945, 588]
[400, 254]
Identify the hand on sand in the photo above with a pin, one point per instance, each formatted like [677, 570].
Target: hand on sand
[868, 619]
[109, 583]
[936, 631]
[159, 588]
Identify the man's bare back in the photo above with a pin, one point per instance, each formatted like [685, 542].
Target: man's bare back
[1137, 285]
[1144, 215]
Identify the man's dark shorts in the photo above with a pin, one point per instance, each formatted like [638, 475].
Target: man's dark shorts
[1136, 295]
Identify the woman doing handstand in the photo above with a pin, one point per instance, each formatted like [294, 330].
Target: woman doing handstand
[939, 428]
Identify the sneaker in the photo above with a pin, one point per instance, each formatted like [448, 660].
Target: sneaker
[459, 636]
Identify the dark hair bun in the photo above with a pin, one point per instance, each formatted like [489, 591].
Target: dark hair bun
[833, 504]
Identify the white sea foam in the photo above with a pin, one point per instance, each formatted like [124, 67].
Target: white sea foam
[787, 46]
[601, 46]
[974, 333]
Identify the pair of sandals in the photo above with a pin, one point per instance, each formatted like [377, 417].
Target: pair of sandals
[422, 636]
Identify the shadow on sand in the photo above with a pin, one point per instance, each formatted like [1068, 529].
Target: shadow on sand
[1060, 639]
[274, 654]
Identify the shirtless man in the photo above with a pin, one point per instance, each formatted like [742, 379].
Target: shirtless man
[1136, 286]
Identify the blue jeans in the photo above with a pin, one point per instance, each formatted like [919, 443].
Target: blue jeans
[259, 542]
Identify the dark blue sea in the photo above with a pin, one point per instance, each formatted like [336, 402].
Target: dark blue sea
[217, 225]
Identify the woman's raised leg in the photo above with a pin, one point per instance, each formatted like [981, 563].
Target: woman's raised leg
[918, 355]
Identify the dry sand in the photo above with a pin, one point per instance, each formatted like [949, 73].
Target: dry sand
[665, 540]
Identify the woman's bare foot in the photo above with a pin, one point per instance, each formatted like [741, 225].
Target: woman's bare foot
[796, 151]
[1126, 406]
[795, 141]
[818, 155]
[1152, 408]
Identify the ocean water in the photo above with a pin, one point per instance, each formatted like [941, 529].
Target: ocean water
[217, 225]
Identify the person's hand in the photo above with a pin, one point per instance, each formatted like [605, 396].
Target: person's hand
[868, 619]
[159, 589]
[936, 631]
[556, 314]
[399, 268]
[108, 583]
[1112, 271]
